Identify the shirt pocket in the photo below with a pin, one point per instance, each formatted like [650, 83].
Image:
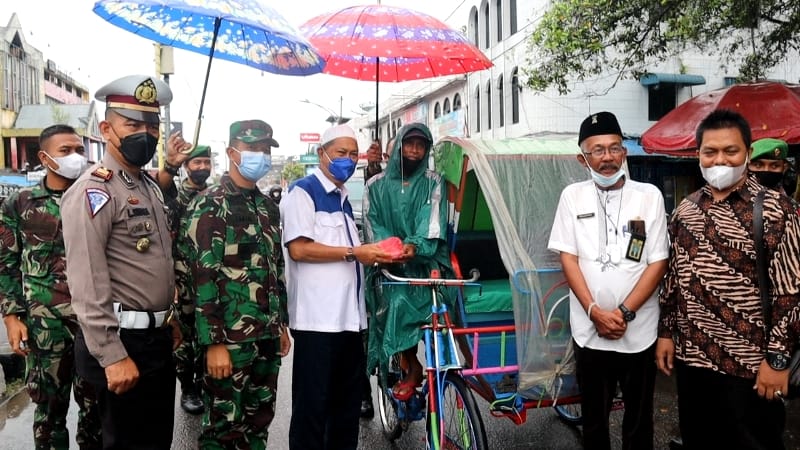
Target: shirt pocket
[243, 253]
[330, 229]
[38, 231]
[140, 226]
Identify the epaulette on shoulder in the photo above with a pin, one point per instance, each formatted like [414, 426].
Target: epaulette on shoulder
[103, 173]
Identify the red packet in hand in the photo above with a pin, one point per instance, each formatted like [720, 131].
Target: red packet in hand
[393, 246]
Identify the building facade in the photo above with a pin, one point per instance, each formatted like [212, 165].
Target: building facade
[496, 104]
[35, 94]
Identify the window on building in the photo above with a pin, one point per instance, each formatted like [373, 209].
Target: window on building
[437, 111]
[489, 105]
[473, 24]
[477, 109]
[456, 102]
[20, 77]
[498, 6]
[394, 129]
[512, 13]
[661, 99]
[501, 102]
[399, 124]
[486, 33]
[446, 106]
[515, 90]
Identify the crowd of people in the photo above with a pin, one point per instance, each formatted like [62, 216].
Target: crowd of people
[115, 282]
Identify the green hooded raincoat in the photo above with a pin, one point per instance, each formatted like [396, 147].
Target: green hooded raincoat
[413, 209]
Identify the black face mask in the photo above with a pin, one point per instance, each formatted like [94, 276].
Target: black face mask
[138, 148]
[771, 180]
[199, 176]
[410, 166]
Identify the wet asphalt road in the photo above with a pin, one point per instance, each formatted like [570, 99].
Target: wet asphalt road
[542, 429]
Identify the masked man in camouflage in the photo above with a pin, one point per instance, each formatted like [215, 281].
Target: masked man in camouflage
[188, 361]
[34, 297]
[230, 241]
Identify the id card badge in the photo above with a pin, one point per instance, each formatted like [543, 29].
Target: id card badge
[635, 247]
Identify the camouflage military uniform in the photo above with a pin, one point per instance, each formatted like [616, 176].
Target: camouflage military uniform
[230, 241]
[188, 361]
[34, 287]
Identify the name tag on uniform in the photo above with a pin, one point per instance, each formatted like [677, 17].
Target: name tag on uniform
[585, 215]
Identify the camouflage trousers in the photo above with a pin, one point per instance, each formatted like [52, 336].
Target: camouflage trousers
[188, 358]
[51, 375]
[240, 408]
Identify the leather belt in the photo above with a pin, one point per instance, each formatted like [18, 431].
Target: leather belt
[141, 320]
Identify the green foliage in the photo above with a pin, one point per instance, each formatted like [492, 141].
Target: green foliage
[579, 39]
[293, 171]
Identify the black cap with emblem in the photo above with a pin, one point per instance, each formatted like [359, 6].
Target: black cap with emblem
[598, 124]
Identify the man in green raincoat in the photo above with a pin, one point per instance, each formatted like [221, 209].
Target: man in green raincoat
[407, 201]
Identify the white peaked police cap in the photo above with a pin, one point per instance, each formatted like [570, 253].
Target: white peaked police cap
[336, 132]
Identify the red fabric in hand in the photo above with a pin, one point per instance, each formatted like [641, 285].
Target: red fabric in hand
[393, 246]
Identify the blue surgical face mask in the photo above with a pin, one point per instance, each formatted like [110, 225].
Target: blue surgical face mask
[341, 168]
[602, 180]
[253, 165]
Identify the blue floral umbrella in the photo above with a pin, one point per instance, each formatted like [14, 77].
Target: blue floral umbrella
[243, 31]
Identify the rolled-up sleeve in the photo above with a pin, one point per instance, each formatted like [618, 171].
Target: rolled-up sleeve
[85, 240]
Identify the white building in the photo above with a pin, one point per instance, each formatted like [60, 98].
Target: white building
[495, 103]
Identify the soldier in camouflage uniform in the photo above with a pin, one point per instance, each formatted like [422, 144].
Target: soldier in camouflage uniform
[188, 361]
[35, 299]
[230, 242]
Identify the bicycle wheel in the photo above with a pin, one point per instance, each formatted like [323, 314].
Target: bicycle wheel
[570, 413]
[387, 407]
[461, 419]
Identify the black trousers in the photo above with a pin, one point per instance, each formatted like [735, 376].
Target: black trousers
[722, 411]
[599, 372]
[327, 379]
[141, 418]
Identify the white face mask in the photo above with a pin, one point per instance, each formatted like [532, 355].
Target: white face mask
[70, 166]
[723, 177]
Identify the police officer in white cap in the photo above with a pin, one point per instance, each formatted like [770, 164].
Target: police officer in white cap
[120, 267]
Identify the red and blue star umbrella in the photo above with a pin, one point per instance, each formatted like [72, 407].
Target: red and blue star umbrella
[387, 43]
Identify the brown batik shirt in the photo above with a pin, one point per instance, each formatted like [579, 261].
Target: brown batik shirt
[710, 302]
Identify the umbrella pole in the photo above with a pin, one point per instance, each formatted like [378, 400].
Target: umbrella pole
[377, 98]
[217, 22]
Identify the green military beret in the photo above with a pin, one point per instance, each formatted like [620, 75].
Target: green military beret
[250, 131]
[769, 148]
[200, 151]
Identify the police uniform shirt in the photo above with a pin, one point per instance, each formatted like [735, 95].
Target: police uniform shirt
[118, 249]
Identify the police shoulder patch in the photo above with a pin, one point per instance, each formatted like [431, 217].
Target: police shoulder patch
[96, 199]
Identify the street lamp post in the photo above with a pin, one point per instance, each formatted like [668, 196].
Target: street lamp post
[334, 119]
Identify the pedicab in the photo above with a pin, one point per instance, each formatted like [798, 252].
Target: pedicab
[512, 344]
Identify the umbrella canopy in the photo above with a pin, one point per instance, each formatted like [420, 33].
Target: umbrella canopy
[243, 31]
[387, 43]
[771, 109]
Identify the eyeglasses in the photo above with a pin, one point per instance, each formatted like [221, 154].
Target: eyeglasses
[599, 152]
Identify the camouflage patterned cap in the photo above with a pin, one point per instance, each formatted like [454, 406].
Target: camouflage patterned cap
[769, 148]
[250, 131]
[136, 97]
[200, 151]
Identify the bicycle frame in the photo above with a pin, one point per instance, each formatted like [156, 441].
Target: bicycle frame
[439, 358]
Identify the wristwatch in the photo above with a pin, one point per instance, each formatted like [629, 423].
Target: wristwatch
[777, 361]
[170, 169]
[350, 256]
[627, 314]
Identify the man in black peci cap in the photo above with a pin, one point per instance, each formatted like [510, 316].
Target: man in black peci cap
[611, 234]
